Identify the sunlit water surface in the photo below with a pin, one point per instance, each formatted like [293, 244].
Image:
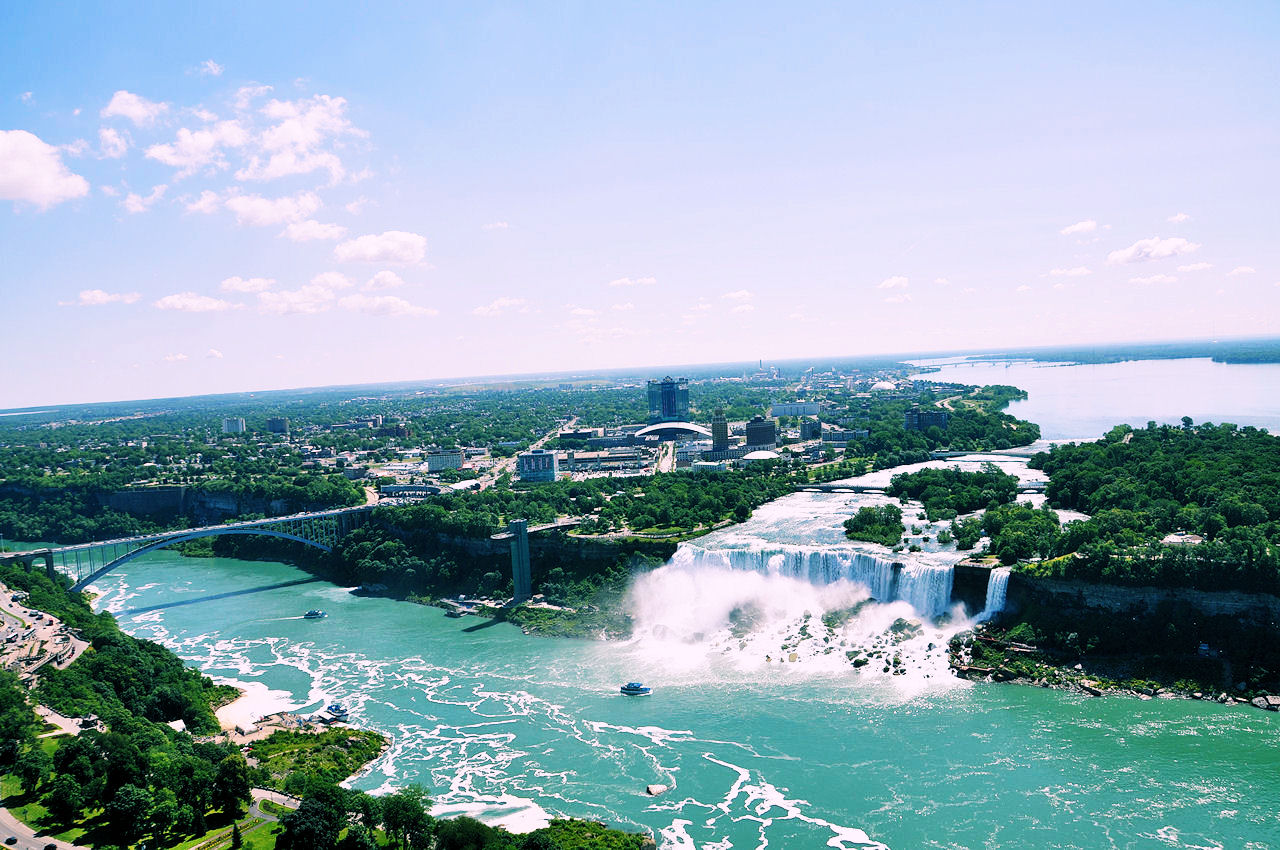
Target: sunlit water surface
[756, 752]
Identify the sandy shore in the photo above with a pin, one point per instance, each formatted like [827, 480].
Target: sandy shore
[256, 701]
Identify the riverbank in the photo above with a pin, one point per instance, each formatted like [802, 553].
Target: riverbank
[986, 654]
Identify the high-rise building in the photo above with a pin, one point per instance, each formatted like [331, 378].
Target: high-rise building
[233, 425]
[794, 408]
[537, 465]
[278, 425]
[916, 419]
[669, 400]
[762, 432]
[810, 429]
[719, 431]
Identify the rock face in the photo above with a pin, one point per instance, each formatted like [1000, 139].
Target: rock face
[655, 789]
[1259, 702]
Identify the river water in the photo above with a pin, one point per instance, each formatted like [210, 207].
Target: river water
[1072, 401]
[765, 733]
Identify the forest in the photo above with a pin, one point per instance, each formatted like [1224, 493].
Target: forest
[949, 492]
[1218, 485]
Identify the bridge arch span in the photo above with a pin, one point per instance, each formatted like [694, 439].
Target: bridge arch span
[191, 535]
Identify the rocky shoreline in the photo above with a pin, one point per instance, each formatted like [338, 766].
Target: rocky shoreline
[1027, 665]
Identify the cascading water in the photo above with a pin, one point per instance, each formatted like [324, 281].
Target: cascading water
[926, 586]
[997, 587]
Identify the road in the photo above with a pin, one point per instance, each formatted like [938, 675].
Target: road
[508, 464]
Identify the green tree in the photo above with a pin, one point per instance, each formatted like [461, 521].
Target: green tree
[231, 785]
[33, 768]
[64, 798]
[405, 818]
[127, 812]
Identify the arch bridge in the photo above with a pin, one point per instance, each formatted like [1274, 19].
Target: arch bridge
[87, 562]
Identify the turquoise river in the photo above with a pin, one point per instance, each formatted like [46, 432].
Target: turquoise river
[760, 748]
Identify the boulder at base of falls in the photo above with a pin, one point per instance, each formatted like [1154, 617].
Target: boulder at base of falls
[655, 789]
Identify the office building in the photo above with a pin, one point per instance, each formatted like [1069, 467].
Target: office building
[719, 431]
[669, 400]
[233, 425]
[917, 419]
[762, 432]
[537, 465]
[438, 461]
[794, 408]
[810, 429]
[278, 425]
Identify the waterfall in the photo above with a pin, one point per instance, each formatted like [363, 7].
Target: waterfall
[997, 586]
[926, 586]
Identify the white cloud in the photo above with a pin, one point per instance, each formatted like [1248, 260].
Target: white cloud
[311, 230]
[394, 246]
[1078, 271]
[357, 206]
[738, 295]
[1023, 288]
[33, 171]
[333, 280]
[204, 115]
[623, 307]
[245, 95]
[207, 203]
[1154, 248]
[1239, 270]
[1086, 226]
[500, 305]
[27, 97]
[251, 284]
[383, 305]
[136, 108]
[1195, 267]
[1178, 218]
[305, 299]
[113, 143]
[582, 311]
[896, 282]
[743, 308]
[293, 145]
[634, 281]
[1148, 280]
[193, 150]
[211, 68]
[135, 203]
[700, 306]
[213, 354]
[98, 297]
[76, 148]
[191, 302]
[942, 281]
[109, 191]
[900, 298]
[258, 211]
[385, 280]
[317, 296]
[175, 358]
[495, 225]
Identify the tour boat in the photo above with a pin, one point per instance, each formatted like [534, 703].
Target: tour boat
[635, 689]
[314, 614]
[337, 712]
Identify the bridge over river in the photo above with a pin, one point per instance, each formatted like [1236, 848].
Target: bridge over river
[86, 562]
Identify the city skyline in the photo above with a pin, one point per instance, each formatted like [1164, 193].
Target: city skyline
[194, 206]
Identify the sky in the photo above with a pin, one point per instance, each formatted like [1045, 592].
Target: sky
[224, 197]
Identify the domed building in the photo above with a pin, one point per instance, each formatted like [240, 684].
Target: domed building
[760, 455]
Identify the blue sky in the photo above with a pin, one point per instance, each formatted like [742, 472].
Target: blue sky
[246, 196]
